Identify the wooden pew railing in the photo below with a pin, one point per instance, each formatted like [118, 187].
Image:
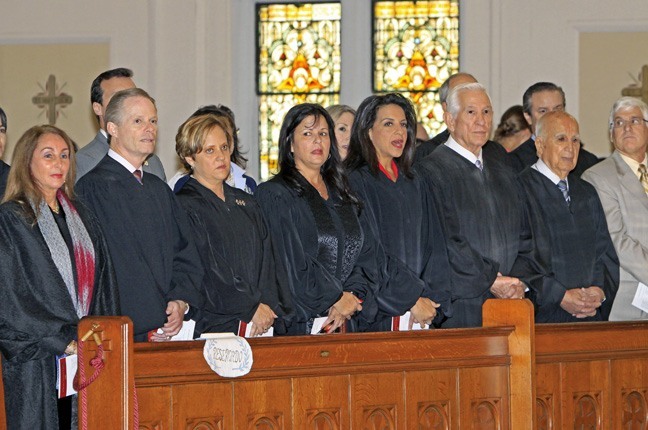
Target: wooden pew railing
[592, 376]
[569, 376]
[459, 379]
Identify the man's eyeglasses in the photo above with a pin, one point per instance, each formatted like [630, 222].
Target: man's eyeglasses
[632, 122]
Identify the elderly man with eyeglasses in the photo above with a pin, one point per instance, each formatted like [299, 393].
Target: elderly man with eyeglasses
[622, 184]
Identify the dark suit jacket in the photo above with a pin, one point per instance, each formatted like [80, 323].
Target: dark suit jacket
[525, 155]
[91, 154]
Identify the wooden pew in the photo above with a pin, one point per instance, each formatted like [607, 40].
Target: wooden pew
[444, 379]
[592, 375]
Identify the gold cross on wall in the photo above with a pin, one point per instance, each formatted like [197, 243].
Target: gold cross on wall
[636, 91]
[49, 99]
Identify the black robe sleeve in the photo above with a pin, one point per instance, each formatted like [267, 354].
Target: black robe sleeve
[38, 318]
[571, 243]
[399, 287]
[235, 249]
[472, 273]
[313, 289]
[294, 238]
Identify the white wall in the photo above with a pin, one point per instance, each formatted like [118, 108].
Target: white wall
[193, 52]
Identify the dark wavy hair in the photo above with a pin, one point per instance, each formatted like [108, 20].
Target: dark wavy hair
[361, 148]
[332, 170]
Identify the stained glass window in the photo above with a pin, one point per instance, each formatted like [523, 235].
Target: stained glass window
[415, 49]
[298, 49]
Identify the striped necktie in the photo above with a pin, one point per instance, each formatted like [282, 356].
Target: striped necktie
[643, 177]
[562, 184]
[479, 165]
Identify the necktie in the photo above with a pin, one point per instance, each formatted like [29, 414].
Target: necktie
[643, 177]
[479, 165]
[562, 184]
[138, 175]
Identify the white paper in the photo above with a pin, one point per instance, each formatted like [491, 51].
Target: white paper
[403, 323]
[318, 323]
[641, 297]
[248, 330]
[66, 370]
[186, 331]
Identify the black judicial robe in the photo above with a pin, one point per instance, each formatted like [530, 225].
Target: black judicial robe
[38, 318]
[149, 240]
[483, 218]
[403, 219]
[572, 242]
[525, 155]
[235, 249]
[4, 174]
[321, 251]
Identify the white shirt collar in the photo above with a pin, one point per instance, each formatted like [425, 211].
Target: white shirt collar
[102, 131]
[236, 178]
[541, 167]
[456, 147]
[121, 160]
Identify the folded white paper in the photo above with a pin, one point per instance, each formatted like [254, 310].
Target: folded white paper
[640, 299]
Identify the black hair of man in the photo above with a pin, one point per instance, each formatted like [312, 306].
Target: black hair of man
[96, 92]
[537, 88]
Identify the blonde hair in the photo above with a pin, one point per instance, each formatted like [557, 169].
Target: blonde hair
[192, 133]
[21, 187]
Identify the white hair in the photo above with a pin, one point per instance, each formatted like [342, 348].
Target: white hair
[626, 103]
[452, 102]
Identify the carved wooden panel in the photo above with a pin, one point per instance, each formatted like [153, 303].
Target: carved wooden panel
[154, 411]
[376, 400]
[150, 425]
[587, 411]
[544, 412]
[266, 422]
[586, 394]
[635, 412]
[323, 419]
[483, 394]
[630, 393]
[206, 423]
[321, 403]
[379, 418]
[262, 405]
[203, 406]
[548, 396]
[485, 414]
[432, 399]
[433, 416]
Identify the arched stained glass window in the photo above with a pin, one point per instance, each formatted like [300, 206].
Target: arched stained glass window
[298, 47]
[415, 48]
